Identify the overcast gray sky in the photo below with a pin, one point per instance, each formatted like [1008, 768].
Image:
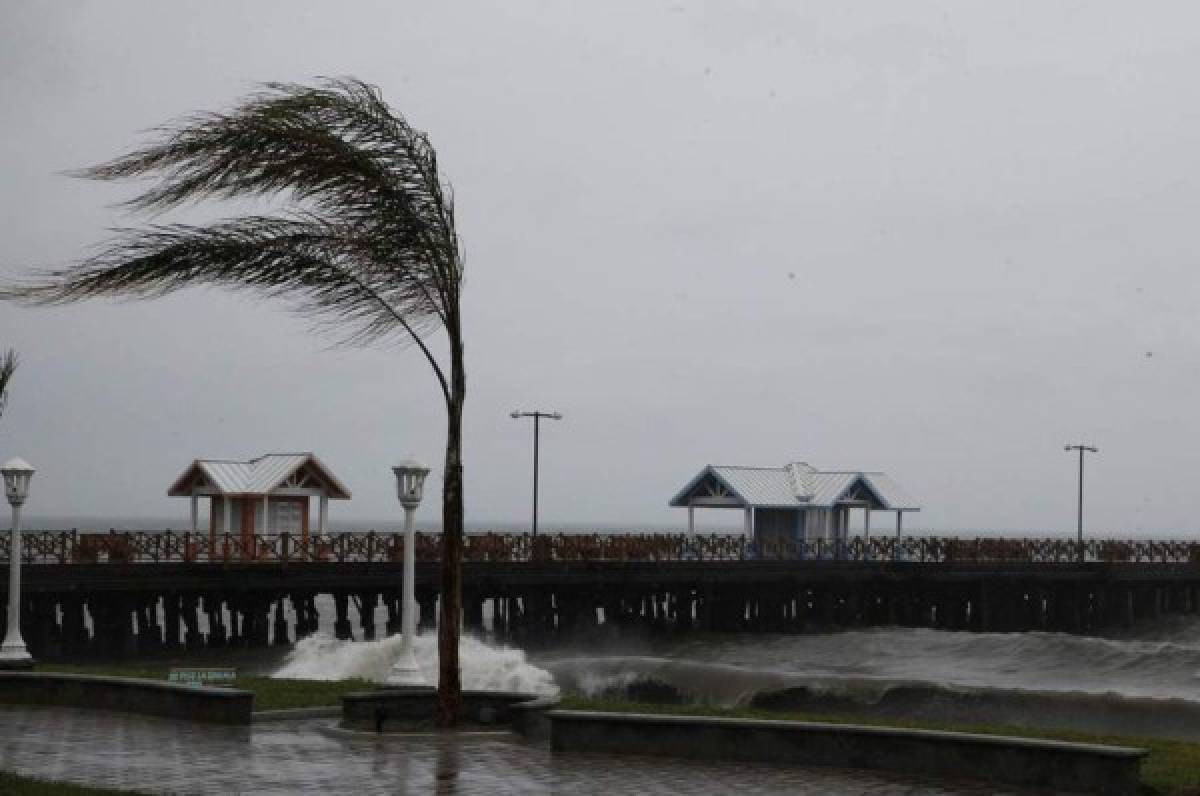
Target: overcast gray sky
[937, 239]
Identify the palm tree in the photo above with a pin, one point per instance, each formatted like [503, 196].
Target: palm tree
[8, 365]
[367, 247]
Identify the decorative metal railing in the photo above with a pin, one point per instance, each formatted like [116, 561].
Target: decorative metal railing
[148, 547]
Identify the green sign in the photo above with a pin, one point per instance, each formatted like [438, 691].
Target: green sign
[201, 676]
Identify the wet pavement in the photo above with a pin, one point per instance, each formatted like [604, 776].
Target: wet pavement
[164, 756]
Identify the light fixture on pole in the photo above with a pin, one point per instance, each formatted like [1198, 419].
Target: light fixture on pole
[410, 486]
[1082, 449]
[13, 653]
[537, 419]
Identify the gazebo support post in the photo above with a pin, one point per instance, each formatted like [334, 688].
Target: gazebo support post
[899, 523]
[195, 513]
[691, 521]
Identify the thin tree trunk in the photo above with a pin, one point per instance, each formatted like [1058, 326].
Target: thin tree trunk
[449, 679]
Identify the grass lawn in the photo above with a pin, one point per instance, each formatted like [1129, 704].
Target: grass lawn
[1171, 767]
[269, 693]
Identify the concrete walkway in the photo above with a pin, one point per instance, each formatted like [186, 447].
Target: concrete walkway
[312, 756]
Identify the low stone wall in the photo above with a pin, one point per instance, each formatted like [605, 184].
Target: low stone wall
[1058, 766]
[406, 705]
[530, 718]
[128, 695]
[293, 714]
[939, 704]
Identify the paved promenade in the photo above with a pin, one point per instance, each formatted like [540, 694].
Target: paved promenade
[162, 756]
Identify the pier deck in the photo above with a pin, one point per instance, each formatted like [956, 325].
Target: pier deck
[120, 594]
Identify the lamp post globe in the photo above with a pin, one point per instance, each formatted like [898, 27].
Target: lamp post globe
[410, 488]
[410, 482]
[17, 474]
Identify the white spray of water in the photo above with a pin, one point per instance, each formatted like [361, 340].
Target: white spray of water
[484, 667]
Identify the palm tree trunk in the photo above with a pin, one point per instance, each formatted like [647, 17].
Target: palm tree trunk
[449, 680]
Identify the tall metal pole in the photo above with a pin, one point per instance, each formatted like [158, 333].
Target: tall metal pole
[537, 419]
[1079, 514]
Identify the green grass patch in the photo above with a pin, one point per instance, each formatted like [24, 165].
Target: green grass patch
[144, 672]
[269, 693]
[27, 786]
[277, 694]
[1170, 767]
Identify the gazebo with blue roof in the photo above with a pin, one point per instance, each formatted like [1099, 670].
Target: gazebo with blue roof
[795, 502]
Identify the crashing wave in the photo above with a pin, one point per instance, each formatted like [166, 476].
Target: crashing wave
[484, 667]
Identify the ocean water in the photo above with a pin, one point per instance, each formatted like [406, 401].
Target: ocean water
[1146, 682]
[1163, 662]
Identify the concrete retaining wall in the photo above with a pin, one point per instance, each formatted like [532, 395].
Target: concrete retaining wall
[292, 714]
[1061, 767]
[128, 695]
[530, 718]
[375, 710]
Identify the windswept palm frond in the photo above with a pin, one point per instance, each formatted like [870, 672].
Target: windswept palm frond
[338, 145]
[324, 272]
[8, 366]
[368, 247]
[370, 252]
[335, 148]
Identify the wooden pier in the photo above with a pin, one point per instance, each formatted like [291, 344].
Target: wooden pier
[133, 594]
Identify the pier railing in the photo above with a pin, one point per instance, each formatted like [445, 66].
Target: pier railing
[149, 547]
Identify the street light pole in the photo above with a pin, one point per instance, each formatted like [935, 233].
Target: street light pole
[13, 653]
[1082, 449]
[410, 482]
[537, 418]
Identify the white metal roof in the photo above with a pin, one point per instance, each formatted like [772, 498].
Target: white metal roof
[890, 493]
[759, 486]
[255, 476]
[795, 485]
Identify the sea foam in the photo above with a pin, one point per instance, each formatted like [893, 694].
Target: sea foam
[484, 667]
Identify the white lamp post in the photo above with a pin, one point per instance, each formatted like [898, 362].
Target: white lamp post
[17, 475]
[410, 484]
